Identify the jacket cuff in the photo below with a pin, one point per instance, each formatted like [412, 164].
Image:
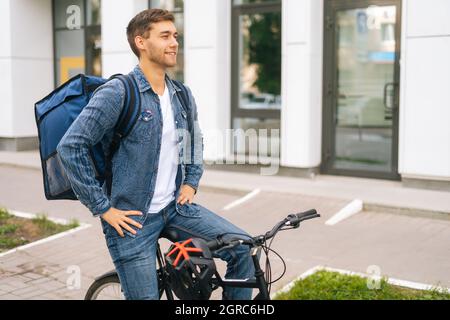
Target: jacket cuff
[100, 208]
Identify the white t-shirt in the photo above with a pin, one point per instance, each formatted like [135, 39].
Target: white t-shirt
[168, 159]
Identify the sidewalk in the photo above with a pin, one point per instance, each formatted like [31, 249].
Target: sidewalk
[385, 194]
[375, 194]
[411, 247]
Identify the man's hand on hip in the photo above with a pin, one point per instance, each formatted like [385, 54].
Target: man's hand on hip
[186, 194]
[118, 219]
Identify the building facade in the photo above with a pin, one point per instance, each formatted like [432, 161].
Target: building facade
[342, 87]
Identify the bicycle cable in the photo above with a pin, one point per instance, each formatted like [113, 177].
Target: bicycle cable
[268, 271]
[268, 265]
[284, 266]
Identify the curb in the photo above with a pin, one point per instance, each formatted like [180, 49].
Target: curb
[20, 166]
[411, 212]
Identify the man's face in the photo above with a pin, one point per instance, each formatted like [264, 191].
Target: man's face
[161, 47]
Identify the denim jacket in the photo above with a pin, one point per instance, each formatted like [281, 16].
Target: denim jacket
[135, 164]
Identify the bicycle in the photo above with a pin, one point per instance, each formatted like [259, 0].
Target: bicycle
[173, 281]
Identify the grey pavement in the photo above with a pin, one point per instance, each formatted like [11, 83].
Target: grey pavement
[390, 194]
[412, 246]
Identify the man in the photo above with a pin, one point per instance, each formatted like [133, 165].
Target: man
[153, 186]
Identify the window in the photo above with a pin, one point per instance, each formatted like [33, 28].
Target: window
[256, 66]
[176, 7]
[388, 33]
[77, 38]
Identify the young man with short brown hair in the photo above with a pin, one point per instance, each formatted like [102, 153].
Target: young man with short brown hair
[155, 178]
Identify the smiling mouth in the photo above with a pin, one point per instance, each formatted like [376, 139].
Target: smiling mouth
[171, 53]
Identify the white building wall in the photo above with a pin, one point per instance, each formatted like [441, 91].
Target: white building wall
[26, 74]
[207, 68]
[6, 123]
[26, 63]
[117, 56]
[301, 114]
[425, 90]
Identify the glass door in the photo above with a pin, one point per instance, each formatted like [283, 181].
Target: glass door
[362, 50]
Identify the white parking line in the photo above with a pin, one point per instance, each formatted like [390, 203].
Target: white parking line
[349, 210]
[45, 240]
[242, 200]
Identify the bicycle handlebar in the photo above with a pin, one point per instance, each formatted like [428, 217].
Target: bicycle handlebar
[291, 220]
[310, 214]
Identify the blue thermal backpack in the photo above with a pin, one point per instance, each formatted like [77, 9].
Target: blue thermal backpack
[55, 114]
[57, 111]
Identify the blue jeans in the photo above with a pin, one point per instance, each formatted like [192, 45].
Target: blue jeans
[135, 255]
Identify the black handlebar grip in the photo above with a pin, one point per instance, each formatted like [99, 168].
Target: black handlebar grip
[310, 214]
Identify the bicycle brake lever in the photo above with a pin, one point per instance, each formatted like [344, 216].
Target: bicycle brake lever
[293, 225]
[293, 221]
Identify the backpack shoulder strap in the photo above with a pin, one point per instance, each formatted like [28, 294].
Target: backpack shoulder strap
[126, 122]
[131, 108]
[183, 96]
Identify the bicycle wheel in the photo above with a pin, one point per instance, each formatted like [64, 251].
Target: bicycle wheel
[105, 288]
[108, 287]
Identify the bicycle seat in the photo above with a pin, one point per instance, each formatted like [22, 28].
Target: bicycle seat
[170, 234]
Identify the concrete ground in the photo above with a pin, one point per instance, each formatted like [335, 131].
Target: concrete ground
[403, 231]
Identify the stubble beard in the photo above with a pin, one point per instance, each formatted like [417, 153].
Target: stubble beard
[159, 59]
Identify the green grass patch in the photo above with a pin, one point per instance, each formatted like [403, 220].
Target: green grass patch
[8, 228]
[325, 285]
[4, 215]
[16, 231]
[48, 227]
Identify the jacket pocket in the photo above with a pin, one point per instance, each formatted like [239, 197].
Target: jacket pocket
[143, 130]
[188, 210]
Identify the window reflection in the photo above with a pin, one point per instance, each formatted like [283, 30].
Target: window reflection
[366, 82]
[260, 137]
[260, 61]
[77, 36]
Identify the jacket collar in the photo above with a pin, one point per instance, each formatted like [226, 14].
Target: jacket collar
[144, 85]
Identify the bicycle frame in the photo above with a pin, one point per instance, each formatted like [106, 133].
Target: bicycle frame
[164, 274]
[256, 244]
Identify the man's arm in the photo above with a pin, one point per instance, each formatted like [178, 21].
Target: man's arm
[194, 163]
[96, 119]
